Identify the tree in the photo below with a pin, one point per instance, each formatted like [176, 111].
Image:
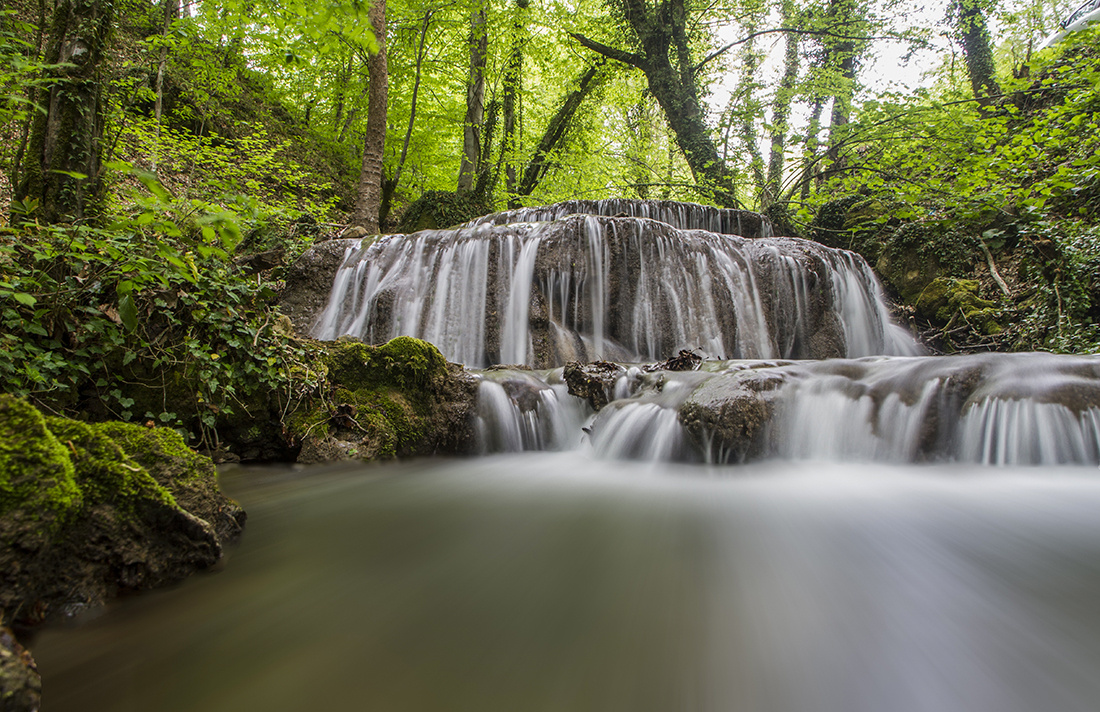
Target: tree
[369, 194]
[662, 50]
[472, 157]
[972, 34]
[62, 168]
[781, 108]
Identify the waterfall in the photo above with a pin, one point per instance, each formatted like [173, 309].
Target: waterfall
[682, 216]
[988, 409]
[627, 289]
[802, 360]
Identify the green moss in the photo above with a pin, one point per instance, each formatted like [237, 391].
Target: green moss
[156, 447]
[412, 363]
[945, 298]
[105, 473]
[36, 471]
[403, 362]
[439, 209]
[388, 391]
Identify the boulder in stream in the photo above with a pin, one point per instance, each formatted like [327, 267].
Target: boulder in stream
[91, 510]
[378, 402]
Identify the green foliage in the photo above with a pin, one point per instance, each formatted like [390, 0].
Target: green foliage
[148, 317]
[21, 72]
[1019, 179]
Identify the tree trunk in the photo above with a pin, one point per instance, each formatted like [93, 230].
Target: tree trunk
[171, 13]
[62, 166]
[369, 195]
[391, 185]
[809, 158]
[513, 78]
[556, 130]
[973, 34]
[749, 110]
[843, 57]
[662, 32]
[472, 158]
[781, 110]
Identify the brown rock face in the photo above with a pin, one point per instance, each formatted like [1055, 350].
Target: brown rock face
[592, 381]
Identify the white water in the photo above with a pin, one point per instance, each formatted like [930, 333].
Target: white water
[626, 289]
[991, 409]
[682, 216]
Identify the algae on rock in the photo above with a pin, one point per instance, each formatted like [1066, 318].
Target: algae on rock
[83, 517]
[398, 399]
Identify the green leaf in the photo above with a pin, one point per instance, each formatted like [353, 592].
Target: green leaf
[24, 298]
[127, 311]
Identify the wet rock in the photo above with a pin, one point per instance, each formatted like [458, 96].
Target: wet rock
[20, 683]
[400, 399]
[595, 382]
[727, 414]
[683, 361]
[90, 510]
[309, 281]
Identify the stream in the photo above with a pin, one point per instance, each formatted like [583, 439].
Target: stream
[818, 519]
[559, 581]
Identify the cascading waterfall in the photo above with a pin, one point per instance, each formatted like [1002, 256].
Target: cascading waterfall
[991, 409]
[637, 281]
[624, 289]
[682, 216]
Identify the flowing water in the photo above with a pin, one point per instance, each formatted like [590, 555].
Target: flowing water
[859, 534]
[558, 581]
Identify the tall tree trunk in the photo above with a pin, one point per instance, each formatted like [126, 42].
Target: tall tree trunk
[662, 40]
[749, 110]
[842, 104]
[781, 110]
[809, 158]
[472, 158]
[843, 57]
[171, 12]
[369, 195]
[391, 184]
[65, 141]
[513, 78]
[973, 34]
[556, 130]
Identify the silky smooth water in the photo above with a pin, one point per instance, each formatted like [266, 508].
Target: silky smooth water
[557, 581]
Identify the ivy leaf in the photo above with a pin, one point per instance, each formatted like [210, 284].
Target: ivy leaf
[127, 312]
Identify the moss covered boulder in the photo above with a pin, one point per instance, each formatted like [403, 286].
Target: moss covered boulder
[395, 400]
[946, 300]
[92, 510]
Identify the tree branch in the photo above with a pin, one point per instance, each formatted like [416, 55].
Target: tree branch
[794, 30]
[634, 60]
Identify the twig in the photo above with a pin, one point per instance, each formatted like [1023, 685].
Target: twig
[993, 268]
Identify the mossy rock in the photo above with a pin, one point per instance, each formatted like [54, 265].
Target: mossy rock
[398, 399]
[440, 209]
[402, 362]
[946, 298]
[855, 222]
[106, 474]
[916, 254]
[36, 473]
[189, 477]
[85, 516]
